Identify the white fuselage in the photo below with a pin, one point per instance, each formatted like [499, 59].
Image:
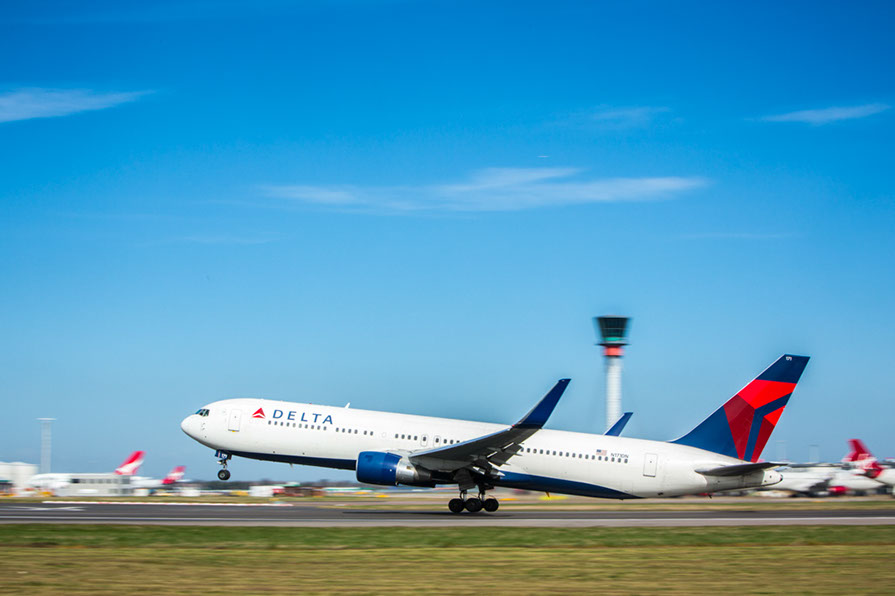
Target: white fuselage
[811, 480]
[855, 480]
[887, 477]
[551, 460]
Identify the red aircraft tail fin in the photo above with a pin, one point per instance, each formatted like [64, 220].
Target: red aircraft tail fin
[174, 475]
[131, 464]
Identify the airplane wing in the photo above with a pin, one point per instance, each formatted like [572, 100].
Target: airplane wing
[494, 449]
[617, 428]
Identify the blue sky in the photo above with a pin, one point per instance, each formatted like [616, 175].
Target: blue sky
[419, 207]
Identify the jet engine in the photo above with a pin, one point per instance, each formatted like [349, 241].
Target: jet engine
[377, 467]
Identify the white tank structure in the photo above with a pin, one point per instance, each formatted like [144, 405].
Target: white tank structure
[16, 474]
[613, 332]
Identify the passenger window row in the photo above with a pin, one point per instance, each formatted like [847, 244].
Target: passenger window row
[605, 458]
[409, 437]
[296, 425]
[353, 431]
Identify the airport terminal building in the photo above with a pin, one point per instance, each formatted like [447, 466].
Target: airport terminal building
[97, 485]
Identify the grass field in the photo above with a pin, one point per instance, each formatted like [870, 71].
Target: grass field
[48, 559]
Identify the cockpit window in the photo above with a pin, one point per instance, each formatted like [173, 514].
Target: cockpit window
[202, 412]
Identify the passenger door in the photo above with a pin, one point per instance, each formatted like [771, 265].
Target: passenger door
[235, 416]
[649, 465]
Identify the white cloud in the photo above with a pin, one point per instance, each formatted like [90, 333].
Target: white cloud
[239, 240]
[737, 236]
[491, 189]
[24, 104]
[330, 195]
[827, 115]
[614, 118]
[627, 117]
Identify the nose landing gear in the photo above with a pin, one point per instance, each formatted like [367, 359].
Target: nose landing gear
[223, 473]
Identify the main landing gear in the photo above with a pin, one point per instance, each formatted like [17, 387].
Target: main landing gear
[473, 505]
[223, 473]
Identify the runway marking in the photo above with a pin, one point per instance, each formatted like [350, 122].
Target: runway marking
[192, 504]
[25, 508]
[466, 521]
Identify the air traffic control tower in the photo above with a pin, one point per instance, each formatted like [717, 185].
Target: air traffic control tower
[612, 331]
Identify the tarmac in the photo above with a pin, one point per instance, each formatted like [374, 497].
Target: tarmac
[329, 515]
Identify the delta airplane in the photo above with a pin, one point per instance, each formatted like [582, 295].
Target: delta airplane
[721, 453]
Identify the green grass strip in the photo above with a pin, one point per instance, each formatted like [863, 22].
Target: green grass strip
[204, 537]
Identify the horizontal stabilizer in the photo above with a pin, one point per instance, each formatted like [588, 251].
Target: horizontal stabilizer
[739, 469]
[617, 428]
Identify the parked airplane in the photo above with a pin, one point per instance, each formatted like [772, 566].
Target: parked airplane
[54, 481]
[869, 465]
[825, 479]
[173, 477]
[858, 473]
[811, 480]
[721, 453]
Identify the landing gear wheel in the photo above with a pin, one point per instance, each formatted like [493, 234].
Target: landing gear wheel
[455, 505]
[224, 474]
[491, 505]
[473, 505]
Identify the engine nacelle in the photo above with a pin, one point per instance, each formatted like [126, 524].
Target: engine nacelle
[377, 467]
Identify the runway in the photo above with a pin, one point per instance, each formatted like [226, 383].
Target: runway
[302, 515]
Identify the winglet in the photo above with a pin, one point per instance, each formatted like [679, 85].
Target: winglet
[617, 428]
[539, 414]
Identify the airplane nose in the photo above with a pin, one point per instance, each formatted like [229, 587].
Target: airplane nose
[187, 425]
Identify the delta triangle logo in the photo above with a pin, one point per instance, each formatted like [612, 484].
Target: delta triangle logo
[259, 413]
